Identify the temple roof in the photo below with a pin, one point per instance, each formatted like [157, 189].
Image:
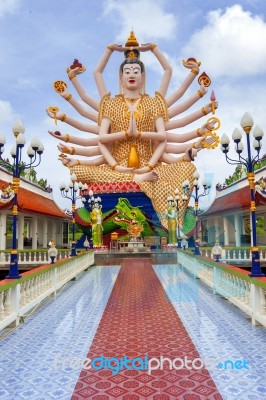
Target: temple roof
[234, 201]
[30, 201]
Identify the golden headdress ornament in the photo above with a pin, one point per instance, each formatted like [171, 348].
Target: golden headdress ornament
[132, 42]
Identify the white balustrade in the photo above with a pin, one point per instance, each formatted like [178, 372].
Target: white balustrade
[239, 255]
[248, 294]
[30, 290]
[2, 307]
[262, 301]
[32, 257]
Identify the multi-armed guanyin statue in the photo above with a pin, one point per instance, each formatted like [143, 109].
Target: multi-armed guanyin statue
[132, 140]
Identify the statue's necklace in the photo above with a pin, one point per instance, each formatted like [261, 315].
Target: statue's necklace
[132, 101]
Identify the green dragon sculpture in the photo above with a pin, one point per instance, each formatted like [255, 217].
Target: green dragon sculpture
[122, 215]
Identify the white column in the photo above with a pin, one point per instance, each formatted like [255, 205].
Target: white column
[216, 227]
[60, 234]
[34, 232]
[2, 231]
[237, 230]
[211, 229]
[44, 233]
[27, 229]
[226, 231]
[54, 237]
[20, 231]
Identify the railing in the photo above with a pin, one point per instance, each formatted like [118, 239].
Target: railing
[19, 296]
[248, 294]
[239, 255]
[32, 257]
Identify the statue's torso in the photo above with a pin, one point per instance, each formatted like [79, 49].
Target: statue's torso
[147, 110]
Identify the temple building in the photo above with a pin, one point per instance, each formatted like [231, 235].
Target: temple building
[228, 217]
[40, 219]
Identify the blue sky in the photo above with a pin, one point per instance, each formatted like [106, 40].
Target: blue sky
[39, 39]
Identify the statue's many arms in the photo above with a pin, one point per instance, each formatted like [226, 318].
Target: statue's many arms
[131, 139]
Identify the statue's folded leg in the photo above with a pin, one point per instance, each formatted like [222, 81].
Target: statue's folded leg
[171, 177]
[99, 174]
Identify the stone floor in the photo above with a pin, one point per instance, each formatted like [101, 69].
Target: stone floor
[133, 313]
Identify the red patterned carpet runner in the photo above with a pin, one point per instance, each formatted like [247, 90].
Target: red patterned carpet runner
[140, 321]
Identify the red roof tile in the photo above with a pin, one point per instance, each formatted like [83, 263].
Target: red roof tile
[34, 203]
[237, 200]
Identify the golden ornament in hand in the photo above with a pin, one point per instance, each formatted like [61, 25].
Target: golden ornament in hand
[59, 86]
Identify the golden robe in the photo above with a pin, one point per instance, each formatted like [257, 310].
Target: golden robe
[171, 176]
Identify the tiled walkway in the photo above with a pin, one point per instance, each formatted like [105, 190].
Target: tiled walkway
[65, 328]
[140, 321]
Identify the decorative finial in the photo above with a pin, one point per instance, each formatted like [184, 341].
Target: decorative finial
[132, 41]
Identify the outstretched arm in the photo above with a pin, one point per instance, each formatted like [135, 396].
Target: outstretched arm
[82, 111]
[172, 112]
[185, 137]
[72, 74]
[71, 121]
[194, 70]
[79, 151]
[71, 162]
[75, 140]
[190, 151]
[179, 123]
[164, 63]
[98, 72]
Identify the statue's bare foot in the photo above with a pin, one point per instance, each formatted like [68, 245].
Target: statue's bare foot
[150, 176]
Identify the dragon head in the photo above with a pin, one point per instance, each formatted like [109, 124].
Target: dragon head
[127, 212]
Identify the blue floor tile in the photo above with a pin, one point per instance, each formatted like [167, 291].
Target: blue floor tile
[220, 331]
[64, 327]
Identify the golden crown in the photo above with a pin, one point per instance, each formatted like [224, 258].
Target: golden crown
[132, 42]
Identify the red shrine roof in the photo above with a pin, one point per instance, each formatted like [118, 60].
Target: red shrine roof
[237, 200]
[32, 202]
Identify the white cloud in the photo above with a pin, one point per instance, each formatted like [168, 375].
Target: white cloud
[8, 6]
[147, 18]
[6, 112]
[233, 43]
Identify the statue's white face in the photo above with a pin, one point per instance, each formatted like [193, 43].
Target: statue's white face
[132, 78]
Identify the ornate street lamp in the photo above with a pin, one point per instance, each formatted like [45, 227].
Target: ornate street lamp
[249, 162]
[17, 167]
[73, 187]
[196, 196]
